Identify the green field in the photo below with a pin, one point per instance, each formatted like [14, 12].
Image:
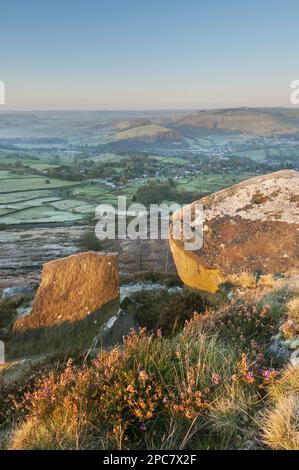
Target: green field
[213, 182]
[40, 214]
[256, 155]
[34, 199]
[5, 174]
[176, 160]
[107, 157]
[12, 185]
[10, 198]
[261, 155]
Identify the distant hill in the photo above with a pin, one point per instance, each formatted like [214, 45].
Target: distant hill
[134, 128]
[149, 132]
[244, 121]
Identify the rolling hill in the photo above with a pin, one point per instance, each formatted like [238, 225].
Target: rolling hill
[245, 121]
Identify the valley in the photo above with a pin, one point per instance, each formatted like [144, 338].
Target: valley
[57, 167]
[225, 317]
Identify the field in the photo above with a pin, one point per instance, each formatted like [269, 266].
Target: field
[11, 185]
[283, 152]
[176, 160]
[213, 182]
[59, 166]
[28, 195]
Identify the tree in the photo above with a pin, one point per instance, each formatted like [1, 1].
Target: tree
[154, 193]
[89, 241]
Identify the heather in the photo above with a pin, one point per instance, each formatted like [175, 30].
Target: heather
[215, 383]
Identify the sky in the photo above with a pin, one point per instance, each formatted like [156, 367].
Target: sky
[148, 54]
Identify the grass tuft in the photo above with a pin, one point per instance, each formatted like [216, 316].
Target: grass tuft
[281, 424]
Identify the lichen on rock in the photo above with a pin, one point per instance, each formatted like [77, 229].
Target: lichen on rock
[250, 227]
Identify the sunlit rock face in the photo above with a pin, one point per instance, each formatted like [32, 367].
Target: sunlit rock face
[71, 289]
[251, 227]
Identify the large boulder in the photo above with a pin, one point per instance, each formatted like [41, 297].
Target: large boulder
[72, 288]
[252, 227]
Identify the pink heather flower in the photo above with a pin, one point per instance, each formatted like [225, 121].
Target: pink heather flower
[143, 375]
[96, 362]
[216, 378]
[143, 427]
[249, 377]
[268, 374]
[265, 310]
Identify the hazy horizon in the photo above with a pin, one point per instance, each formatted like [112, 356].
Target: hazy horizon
[141, 110]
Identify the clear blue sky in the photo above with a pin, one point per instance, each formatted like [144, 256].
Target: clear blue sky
[146, 54]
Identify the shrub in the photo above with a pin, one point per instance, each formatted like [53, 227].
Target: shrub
[152, 393]
[168, 312]
[180, 309]
[89, 241]
[8, 308]
[146, 307]
[195, 383]
[12, 392]
[167, 279]
[277, 299]
[119, 399]
[246, 322]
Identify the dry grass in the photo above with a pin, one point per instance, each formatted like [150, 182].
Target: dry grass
[55, 433]
[293, 308]
[281, 424]
[27, 433]
[229, 414]
[287, 384]
[268, 280]
[243, 279]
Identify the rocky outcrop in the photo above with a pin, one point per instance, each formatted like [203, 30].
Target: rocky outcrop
[251, 227]
[72, 288]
